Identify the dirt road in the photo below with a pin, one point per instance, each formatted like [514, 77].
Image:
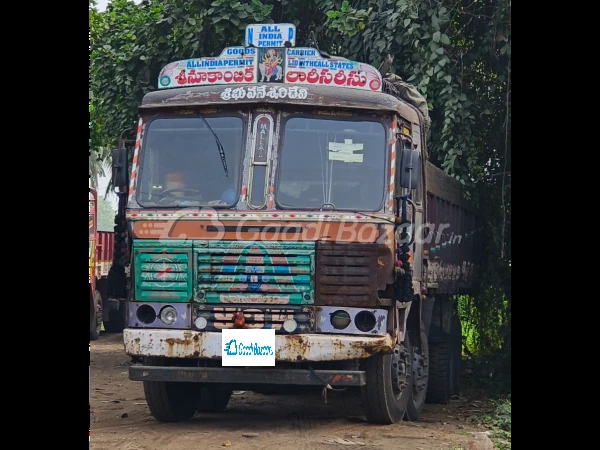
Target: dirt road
[120, 418]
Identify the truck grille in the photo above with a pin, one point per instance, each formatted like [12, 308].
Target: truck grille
[242, 272]
[255, 317]
[162, 271]
[346, 274]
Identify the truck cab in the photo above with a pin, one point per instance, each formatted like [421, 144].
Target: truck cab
[273, 199]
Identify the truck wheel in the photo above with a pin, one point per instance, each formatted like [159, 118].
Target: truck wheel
[386, 393]
[444, 365]
[438, 390]
[420, 375]
[96, 317]
[116, 320]
[171, 401]
[213, 399]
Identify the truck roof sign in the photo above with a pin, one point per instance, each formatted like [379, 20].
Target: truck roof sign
[270, 35]
[259, 62]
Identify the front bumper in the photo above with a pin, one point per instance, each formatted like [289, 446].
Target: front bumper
[289, 348]
[245, 376]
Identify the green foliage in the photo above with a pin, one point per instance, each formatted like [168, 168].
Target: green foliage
[498, 422]
[129, 44]
[458, 54]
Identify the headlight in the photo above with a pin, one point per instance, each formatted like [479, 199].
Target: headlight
[145, 314]
[340, 319]
[168, 315]
[365, 321]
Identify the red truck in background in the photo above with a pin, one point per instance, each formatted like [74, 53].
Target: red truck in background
[101, 245]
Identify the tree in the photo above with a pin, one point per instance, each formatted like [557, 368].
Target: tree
[106, 215]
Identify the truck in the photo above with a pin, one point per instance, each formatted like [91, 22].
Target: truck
[104, 310]
[285, 228]
[100, 260]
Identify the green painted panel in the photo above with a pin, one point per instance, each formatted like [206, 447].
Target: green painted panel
[275, 260]
[164, 267]
[254, 272]
[245, 298]
[208, 268]
[164, 276]
[248, 287]
[158, 257]
[265, 247]
[160, 286]
[153, 244]
[162, 272]
[291, 279]
[163, 296]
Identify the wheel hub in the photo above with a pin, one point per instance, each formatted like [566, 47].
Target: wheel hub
[401, 371]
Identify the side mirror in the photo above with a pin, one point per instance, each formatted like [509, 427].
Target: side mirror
[119, 167]
[408, 171]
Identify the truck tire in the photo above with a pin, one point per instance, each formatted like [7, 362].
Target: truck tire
[385, 395]
[439, 387]
[444, 366]
[213, 399]
[96, 317]
[170, 401]
[116, 320]
[420, 377]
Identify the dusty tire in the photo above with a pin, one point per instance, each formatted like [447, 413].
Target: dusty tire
[171, 402]
[96, 317]
[420, 377]
[444, 366]
[439, 387]
[386, 393]
[213, 399]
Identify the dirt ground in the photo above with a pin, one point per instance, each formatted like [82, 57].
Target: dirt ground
[120, 418]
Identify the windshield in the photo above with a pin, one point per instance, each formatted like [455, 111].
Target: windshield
[335, 164]
[182, 164]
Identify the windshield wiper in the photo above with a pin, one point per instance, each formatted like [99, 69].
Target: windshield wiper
[219, 146]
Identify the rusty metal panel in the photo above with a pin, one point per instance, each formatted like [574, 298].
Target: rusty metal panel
[443, 186]
[320, 96]
[289, 348]
[344, 271]
[452, 248]
[346, 274]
